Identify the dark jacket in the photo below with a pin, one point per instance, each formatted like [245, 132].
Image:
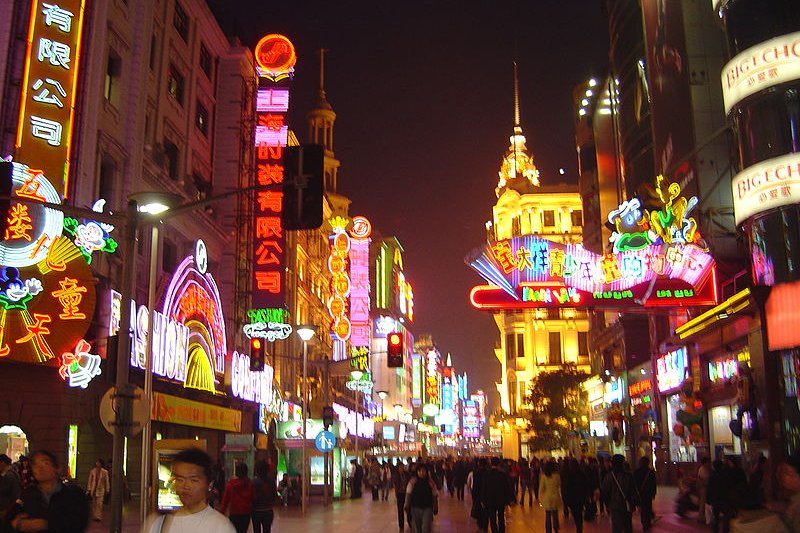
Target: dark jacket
[645, 481]
[575, 486]
[67, 511]
[496, 489]
[618, 498]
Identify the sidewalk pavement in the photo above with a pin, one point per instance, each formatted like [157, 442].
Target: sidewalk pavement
[367, 516]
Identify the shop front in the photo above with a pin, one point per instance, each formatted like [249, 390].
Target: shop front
[289, 439]
[643, 414]
[679, 410]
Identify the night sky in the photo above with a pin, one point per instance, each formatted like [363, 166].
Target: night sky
[423, 93]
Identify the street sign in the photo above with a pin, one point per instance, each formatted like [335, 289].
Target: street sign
[325, 441]
[140, 411]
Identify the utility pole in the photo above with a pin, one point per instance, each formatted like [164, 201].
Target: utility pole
[326, 385]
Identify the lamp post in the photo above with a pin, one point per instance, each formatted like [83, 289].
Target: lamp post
[382, 394]
[356, 375]
[306, 333]
[152, 207]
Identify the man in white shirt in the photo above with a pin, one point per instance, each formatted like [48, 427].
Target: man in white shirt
[97, 488]
[192, 476]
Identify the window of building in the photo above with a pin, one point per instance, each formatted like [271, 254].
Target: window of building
[520, 345]
[554, 354]
[553, 313]
[512, 396]
[180, 21]
[577, 217]
[201, 119]
[169, 255]
[205, 60]
[511, 347]
[549, 218]
[105, 179]
[175, 84]
[113, 82]
[515, 226]
[173, 155]
[583, 343]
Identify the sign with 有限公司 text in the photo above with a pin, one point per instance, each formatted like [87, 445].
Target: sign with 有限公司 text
[47, 109]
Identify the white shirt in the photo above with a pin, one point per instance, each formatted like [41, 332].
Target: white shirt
[207, 521]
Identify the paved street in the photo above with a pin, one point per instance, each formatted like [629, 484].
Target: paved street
[366, 516]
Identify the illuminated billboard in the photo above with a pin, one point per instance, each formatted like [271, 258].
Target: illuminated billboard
[338, 266]
[359, 276]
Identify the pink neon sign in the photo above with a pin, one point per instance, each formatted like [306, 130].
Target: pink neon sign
[359, 289]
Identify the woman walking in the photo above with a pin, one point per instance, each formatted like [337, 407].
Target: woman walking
[238, 498]
[422, 500]
[550, 495]
[264, 494]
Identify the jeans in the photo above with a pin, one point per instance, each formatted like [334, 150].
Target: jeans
[646, 510]
[460, 491]
[551, 521]
[526, 487]
[422, 517]
[262, 521]
[497, 518]
[241, 522]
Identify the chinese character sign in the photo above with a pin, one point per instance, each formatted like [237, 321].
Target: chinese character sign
[338, 266]
[271, 135]
[359, 278]
[44, 131]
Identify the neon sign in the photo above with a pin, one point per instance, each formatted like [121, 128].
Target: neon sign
[723, 369]
[416, 379]
[671, 369]
[432, 377]
[639, 387]
[366, 426]
[359, 276]
[49, 86]
[89, 235]
[340, 280]
[79, 367]
[269, 324]
[359, 358]
[275, 57]
[189, 342]
[250, 386]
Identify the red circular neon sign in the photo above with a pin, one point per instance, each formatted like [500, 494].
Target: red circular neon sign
[275, 53]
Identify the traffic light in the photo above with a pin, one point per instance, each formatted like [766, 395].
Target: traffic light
[394, 350]
[257, 362]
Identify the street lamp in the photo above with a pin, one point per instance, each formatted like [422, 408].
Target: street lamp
[141, 207]
[306, 333]
[382, 394]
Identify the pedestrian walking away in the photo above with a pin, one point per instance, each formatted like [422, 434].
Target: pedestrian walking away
[264, 496]
[97, 487]
[550, 497]
[400, 479]
[617, 493]
[496, 494]
[238, 498]
[644, 479]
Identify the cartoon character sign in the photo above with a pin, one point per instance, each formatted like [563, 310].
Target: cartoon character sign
[614, 419]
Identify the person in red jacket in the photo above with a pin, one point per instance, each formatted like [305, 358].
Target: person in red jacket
[238, 497]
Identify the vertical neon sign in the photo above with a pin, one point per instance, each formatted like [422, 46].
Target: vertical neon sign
[275, 60]
[47, 108]
[359, 277]
[338, 303]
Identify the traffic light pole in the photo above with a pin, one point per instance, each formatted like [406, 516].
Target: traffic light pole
[326, 401]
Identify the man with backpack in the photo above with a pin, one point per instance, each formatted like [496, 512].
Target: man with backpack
[618, 493]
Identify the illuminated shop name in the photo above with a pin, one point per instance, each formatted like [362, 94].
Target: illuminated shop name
[338, 303]
[671, 369]
[366, 426]
[269, 324]
[359, 358]
[639, 387]
[359, 274]
[723, 370]
[761, 66]
[250, 386]
[432, 386]
[547, 295]
[766, 185]
[170, 343]
[416, 378]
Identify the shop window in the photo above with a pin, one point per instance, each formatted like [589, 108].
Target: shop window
[680, 449]
[583, 343]
[510, 347]
[180, 21]
[577, 218]
[106, 178]
[553, 313]
[520, 345]
[515, 226]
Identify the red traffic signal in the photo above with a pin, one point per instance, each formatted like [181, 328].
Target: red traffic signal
[257, 358]
[394, 350]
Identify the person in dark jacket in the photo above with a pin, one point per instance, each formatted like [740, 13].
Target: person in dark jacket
[617, 492]
[575, 488]
[476, 486]
[50, 505]
[357, 479]
[459, 478]
[10, 488]
[264, 495]
[496, 493]
[644, 478]
[400, 479]
[422, 500]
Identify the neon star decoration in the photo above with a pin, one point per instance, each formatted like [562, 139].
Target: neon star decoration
[79, 367]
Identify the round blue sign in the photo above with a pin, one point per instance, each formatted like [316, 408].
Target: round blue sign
[325, 441]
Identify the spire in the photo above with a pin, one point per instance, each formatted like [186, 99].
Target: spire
[322, 99]
[517, 125]
[449, 362]
[517, 162]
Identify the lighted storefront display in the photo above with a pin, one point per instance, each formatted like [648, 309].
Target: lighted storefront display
[684, 412]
